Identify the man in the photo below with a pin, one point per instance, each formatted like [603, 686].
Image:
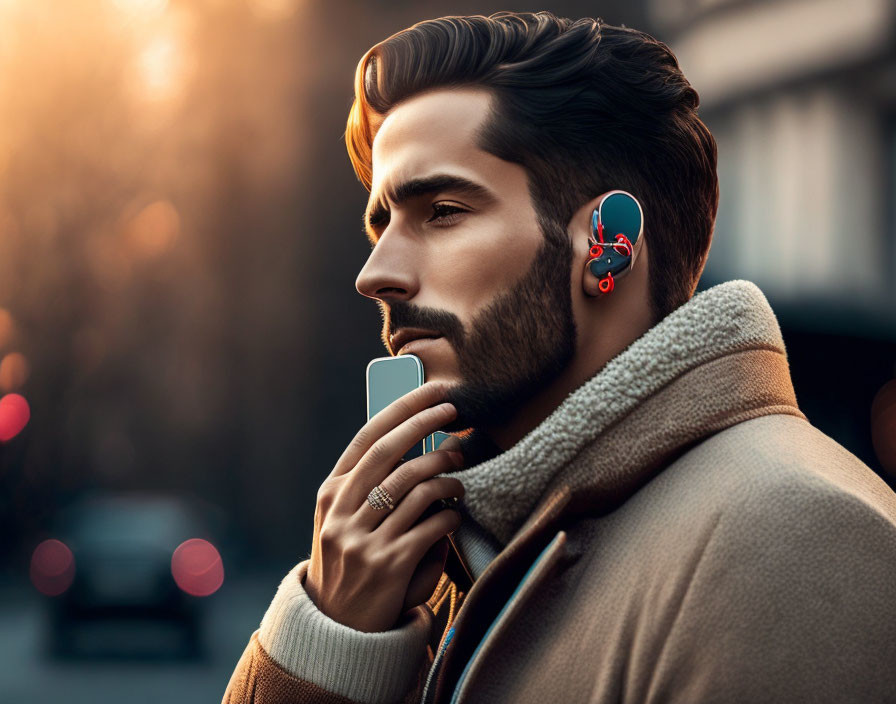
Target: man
[646, 515]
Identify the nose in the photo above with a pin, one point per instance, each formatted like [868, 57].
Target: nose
[389, 272]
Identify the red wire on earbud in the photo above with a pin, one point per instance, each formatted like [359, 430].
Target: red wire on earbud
[623, 245]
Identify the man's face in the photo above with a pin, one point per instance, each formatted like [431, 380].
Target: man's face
[460, 256]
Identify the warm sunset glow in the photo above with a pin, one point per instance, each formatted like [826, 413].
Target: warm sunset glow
[197, 567]
[156, 29]
[141, 8]
[160, 66]
[273, 10]
[52, 567]
[14, 370]
[14, 416]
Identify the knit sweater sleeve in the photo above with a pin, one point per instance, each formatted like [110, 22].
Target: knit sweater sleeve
[301, 655]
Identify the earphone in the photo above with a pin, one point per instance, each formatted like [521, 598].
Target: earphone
[615, 239]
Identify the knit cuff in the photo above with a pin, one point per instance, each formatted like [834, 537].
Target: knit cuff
[364, 667]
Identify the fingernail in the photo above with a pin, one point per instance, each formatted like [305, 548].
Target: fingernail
[457, 458]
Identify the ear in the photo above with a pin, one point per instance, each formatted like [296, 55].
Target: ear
[590, 282]
[580, 230]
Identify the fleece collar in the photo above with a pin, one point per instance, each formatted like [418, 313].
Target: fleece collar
[715, 361]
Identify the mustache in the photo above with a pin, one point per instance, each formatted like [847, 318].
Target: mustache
[401, 314]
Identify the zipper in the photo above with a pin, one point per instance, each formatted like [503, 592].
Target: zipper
[455, 597]
[426, 698]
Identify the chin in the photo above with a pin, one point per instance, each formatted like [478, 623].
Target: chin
[442, 376]
[470, 414]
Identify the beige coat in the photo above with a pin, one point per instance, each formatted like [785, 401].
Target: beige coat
[706, 545]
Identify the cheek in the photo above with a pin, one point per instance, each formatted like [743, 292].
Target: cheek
[474, 266]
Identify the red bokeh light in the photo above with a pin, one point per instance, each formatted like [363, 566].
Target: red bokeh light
[197, 567]
[14, 415]
[52, 567]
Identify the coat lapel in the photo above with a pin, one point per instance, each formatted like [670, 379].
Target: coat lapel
[495, 587]
[541, 570]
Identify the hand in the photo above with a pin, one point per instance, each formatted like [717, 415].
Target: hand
[369, 566]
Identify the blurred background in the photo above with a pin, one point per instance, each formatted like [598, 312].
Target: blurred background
[182, 350]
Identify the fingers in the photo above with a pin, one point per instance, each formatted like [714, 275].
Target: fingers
[451, 443]
[379, 461]
[407, 511]
[414, 544]
[426, 577]
[402, 480]
[389, 418]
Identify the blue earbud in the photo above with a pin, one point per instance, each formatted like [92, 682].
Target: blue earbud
[616, 227]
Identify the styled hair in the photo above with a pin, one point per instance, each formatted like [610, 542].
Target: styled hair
[583, 106]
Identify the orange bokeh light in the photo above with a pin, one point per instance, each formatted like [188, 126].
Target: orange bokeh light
[52, 567]
[14, 416]
[14, 370]
[197, 567]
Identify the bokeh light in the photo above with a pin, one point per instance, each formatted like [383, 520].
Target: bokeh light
[14, 416]
[197, 567]
[883, 426]
[52, 567]
[160, 66]
[14, 370]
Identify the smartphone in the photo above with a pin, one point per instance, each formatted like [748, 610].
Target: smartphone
[390, 378]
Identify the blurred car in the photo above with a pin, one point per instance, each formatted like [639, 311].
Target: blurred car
[123, 590]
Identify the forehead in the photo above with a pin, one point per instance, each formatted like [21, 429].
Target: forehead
[434, 132]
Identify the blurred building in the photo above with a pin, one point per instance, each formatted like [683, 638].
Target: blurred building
[801, 98]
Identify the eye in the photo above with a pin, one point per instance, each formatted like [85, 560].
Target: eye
[444, 214]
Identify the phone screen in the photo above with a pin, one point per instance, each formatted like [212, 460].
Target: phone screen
[390, 378]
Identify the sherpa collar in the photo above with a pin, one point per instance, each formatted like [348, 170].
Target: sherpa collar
[713, 362]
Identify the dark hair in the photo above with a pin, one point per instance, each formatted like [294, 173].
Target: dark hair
[585, 107]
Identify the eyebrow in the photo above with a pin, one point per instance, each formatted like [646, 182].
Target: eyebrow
[378, 214]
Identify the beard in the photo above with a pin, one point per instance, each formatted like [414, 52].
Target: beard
[516, 346]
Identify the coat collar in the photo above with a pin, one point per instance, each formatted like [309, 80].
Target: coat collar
[716, 361]
[713, 362]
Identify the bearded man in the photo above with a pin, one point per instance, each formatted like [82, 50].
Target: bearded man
[645, 514]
